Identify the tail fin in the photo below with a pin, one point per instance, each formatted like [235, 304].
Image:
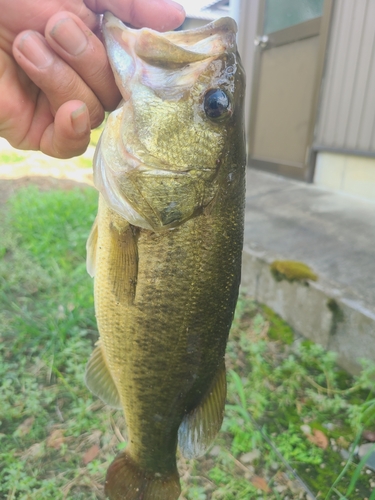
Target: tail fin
[127, 481]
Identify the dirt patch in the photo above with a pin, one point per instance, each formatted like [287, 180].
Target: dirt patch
[44, 183]
[22, 168]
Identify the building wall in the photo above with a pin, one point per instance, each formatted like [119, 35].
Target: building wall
[345, 131]
[246, 15]
[346, 120]
[350, 174]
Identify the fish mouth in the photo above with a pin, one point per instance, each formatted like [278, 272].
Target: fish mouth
[182, 55]
[172, 49]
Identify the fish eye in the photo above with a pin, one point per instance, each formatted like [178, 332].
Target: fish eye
[216, 104]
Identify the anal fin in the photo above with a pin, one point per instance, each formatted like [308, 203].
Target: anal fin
[200, 427]
[99, 379]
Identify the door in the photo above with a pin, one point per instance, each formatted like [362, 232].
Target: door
[287, 72]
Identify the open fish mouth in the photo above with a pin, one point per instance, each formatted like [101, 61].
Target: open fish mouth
[181, 55]
[172, 48]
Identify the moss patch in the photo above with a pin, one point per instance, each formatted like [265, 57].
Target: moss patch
[278, 329]
[292, 270]
[337, 315]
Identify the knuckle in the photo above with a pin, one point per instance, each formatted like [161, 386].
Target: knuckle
[65, 86]
[96, 116]
[70, 149]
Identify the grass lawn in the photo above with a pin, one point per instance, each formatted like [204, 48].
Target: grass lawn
[291, 412]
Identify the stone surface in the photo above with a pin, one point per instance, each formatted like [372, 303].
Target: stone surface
[332, 233]
[248, 458]
[368, 448]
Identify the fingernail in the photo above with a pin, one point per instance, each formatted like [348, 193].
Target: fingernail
[80, 121]
[175, 5]
[35, 49]
[69, 36]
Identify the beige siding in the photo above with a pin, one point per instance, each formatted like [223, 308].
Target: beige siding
[347, 108]
[287, 76]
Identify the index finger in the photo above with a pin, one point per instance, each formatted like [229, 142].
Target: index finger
[161, 15]
[70, 38]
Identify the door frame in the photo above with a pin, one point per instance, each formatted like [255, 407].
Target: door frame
[301, 31]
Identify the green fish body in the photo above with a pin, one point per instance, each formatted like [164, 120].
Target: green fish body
[166, 246]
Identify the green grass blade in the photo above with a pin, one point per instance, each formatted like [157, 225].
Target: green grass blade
[240, 410]
[358, 470]
[348, 462]
[239, 387]
[341, 497]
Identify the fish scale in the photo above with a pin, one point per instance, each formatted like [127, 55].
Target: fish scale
[165, 250]
[157, 316]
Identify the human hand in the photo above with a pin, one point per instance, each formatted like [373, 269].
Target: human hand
[55, 78]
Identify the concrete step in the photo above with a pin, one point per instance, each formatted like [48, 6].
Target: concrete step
[332, 233]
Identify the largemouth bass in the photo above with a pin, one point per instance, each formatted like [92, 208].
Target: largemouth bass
[166, 246]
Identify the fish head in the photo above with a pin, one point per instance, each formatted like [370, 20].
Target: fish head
[163, 151]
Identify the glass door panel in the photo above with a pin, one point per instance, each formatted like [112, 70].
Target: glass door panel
[281, 14]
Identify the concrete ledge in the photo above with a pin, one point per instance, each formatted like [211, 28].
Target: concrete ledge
[316, 310]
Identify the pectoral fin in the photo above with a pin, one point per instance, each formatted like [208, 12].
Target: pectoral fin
[123, 260]
[91, 249]
[200, 427]
[99, 379]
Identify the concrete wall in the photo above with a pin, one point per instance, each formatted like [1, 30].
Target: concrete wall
[317, 312]
[354, 175]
